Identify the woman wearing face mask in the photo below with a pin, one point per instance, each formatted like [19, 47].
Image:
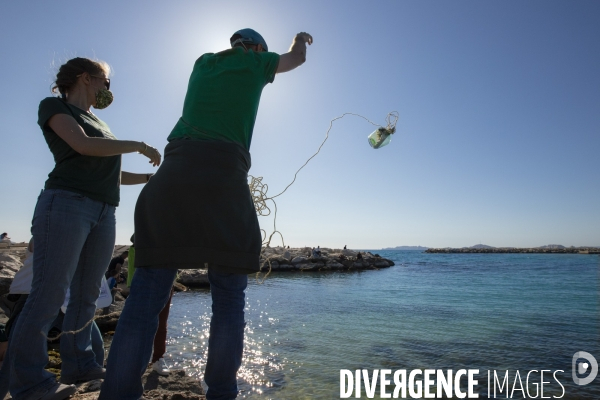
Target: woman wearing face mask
[73, 229]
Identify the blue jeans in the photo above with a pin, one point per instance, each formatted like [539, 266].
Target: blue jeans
[132, 344]
[97, 347]
[74, 238]
[96, 337]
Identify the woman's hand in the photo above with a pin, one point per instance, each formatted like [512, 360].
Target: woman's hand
[150, 152]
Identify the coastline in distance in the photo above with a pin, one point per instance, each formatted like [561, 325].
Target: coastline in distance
[406, 248]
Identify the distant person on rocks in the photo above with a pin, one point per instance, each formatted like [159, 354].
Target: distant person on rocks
[112, 281]
[359, 256]
[116, 263]
[344, 247]
[4, 238]
[73, 229]
[199, 202]
[316, 253]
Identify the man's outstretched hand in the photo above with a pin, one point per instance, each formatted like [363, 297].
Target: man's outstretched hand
[305, 37]
[296, 56]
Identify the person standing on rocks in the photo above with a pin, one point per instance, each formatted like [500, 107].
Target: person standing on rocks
[116, 263]
[199, 202]
[73, 230]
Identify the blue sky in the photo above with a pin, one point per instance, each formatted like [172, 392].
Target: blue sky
[499, 106]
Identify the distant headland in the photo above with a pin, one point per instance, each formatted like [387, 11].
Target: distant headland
[551, 248]
[421, 248]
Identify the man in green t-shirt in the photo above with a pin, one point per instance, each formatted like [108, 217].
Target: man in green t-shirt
[197, 212]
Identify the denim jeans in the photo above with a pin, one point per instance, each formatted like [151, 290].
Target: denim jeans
[74, 238]
[96, 337]
[97, 347]
[132, 344]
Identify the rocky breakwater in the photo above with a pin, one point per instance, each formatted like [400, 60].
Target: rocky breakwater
[304, 260]
[275, 258]
[297, 260]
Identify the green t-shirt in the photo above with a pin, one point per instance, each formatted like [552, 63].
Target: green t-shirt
[98, 178]
[223, 96]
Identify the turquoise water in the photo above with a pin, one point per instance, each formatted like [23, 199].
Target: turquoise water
[438, 311]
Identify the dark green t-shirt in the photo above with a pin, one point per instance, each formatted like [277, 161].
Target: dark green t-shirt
[223, 96]
[98, 178]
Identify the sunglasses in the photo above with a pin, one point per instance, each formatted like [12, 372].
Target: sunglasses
[106, 81]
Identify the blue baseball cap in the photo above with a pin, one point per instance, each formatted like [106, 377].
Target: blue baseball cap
[249, 36]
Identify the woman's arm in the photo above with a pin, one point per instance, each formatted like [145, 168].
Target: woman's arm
[69, 130]
[128, 178]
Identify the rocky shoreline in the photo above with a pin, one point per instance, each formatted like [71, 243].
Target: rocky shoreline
[279, 259]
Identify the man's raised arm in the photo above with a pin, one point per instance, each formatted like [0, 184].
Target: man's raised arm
[297, 53]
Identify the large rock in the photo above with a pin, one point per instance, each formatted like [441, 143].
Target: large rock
[176, 386]
[299, 260]
[286, 267]
[349, 253]
[335, 265]
[176, 382]
[9, 265]
[193, 278]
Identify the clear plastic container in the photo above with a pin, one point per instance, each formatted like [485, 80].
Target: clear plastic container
[380, 137]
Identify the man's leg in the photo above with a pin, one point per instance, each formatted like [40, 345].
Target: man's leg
[160, 339]
[226, 340]
[132, 344]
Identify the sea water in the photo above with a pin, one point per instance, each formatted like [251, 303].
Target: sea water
[430, 311]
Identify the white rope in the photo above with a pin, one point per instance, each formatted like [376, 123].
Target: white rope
[258, 189]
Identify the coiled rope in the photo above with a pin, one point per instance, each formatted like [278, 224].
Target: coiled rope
[258, 189]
